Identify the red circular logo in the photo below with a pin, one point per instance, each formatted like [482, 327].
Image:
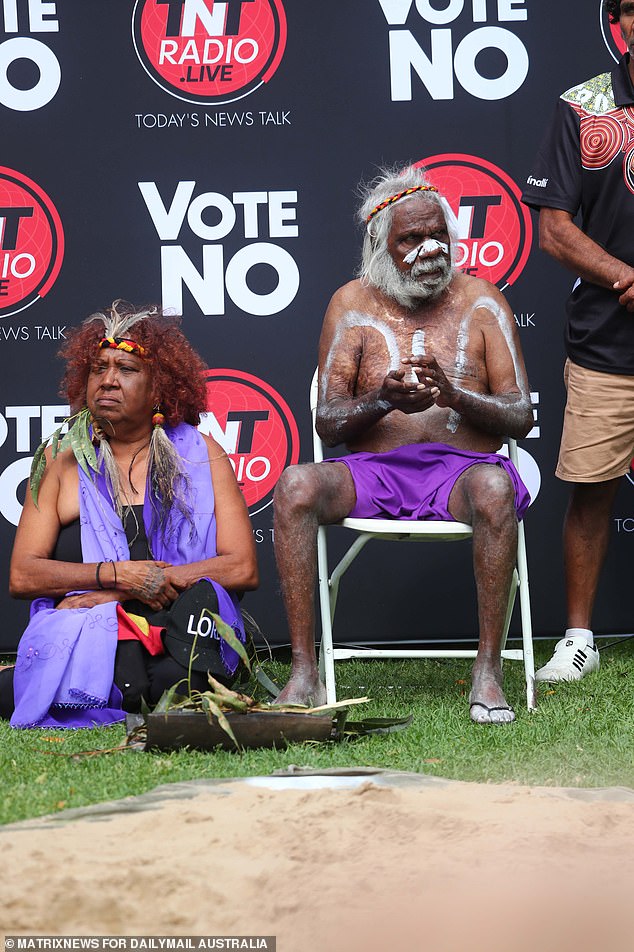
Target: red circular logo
[494, 227]
[31, 242]
[255, 426]
[611, 34]
[203, 51]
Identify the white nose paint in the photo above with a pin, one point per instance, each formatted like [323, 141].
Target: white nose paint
[427, 247]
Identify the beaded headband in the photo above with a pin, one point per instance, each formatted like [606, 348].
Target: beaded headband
[398, 197]
[121, 343]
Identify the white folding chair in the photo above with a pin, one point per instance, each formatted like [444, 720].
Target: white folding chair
[398, 530]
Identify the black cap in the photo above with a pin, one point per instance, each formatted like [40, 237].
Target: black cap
[188, 619]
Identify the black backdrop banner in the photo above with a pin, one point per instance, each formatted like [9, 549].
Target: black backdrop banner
[205, 155]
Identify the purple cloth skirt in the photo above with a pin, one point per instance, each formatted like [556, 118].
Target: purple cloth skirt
[415, 481]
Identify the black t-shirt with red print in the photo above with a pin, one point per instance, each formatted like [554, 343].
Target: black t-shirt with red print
[585, 165]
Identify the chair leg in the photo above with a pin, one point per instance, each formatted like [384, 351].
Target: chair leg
[509, 608]
[326, 653]
[525, 603]
[527, 625]
[328, 586]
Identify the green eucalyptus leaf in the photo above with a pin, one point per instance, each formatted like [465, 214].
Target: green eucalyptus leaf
[37, 471]
[211, 709]
[81, 443]
[55, 438]
[167, 699]
[263, 679]
[64, 443]
[227, 634]
[377, 725]
[77, 446]
[234, 703]
[77, 438]
[83, 424]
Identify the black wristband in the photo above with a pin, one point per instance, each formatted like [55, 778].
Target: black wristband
[97, 571]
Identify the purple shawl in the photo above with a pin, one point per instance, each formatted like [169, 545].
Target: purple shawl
[65, 663]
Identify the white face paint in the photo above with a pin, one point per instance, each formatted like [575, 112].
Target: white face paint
[427, 247]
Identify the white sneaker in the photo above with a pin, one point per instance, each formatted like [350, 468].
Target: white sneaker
[572, 660]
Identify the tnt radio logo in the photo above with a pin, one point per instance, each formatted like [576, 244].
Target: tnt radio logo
[207, 51]
[255, 426]
[31, 242]
[494, 227]
[612, 36]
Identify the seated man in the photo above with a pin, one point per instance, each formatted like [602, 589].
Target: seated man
[421, 375]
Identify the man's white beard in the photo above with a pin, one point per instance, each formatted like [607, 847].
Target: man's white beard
[410, 290]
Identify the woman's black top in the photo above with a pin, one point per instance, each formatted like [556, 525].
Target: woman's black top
[68, 545]
[68, 548]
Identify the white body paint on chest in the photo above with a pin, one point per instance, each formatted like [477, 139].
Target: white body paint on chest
[507, 332]
[357, 319]
[462, 342]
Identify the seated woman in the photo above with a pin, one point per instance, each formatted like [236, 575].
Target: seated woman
[141, 508]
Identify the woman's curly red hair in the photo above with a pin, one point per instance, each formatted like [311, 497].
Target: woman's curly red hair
[176, 370]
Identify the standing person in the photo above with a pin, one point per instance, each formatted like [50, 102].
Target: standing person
[139, 509]
[421, 375]
[585, 165]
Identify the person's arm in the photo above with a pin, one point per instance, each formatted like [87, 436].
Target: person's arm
[235, 565]
[342, 415]
[568, 244]
[555, 187]
[505, 409]
[34, 573]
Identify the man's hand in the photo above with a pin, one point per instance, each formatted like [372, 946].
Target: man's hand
[626, 288]
[434, 377]
[408, 397]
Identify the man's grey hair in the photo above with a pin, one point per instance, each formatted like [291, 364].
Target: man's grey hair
[391, 181]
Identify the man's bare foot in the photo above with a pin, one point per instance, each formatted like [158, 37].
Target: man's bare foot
[303, 689]
[487, 704]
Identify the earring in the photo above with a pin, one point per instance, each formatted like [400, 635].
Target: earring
[97, 429]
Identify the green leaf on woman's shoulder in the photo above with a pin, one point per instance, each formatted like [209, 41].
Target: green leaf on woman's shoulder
[77, 438]
[81, 443]
[83, 430]
[37, 471]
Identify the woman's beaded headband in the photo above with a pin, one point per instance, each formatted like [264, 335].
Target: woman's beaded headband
[122, 343]
[398, 197]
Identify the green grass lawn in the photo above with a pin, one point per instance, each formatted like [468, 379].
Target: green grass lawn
[582, 735]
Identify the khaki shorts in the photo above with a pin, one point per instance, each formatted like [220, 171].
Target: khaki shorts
[597, 441]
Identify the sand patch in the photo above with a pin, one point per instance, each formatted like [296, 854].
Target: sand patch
[434, 866]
